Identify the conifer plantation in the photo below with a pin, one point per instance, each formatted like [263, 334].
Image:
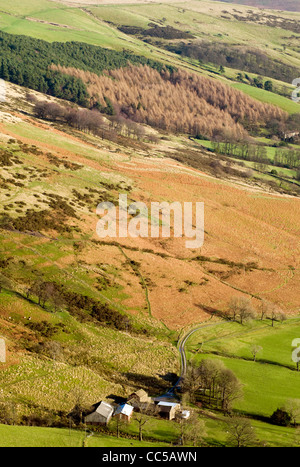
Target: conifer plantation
[177, 101]
[139, 89]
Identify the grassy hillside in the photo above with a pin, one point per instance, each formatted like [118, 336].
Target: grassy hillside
[269, 382]
[272, 379]
[288, 5]
[147, 279]
[270, 98]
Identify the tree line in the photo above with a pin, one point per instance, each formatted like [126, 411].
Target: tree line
[54, 297]
[90, 120]
[213, 384]
[241, 309]
[288, 158]
[154, 30]
[81, 306]
[283, 157]
[241, 150]
[236, 56]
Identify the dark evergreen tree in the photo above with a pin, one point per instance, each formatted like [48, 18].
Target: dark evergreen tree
[27, 61]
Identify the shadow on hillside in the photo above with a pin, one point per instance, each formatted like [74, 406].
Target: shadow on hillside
[212, 311]
[117, 399]
[170, 378]
[258, 361]
[151, 384]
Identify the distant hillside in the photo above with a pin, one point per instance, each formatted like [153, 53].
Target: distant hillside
[286, 5]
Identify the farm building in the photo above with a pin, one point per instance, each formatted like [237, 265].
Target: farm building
[124, 412]
[101, 415]
[139, 399]
[291, 135]
[168, 409]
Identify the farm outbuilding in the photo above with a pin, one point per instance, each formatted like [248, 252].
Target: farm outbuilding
[139, 399]
[101, 415]
[124, 412]
[168, 409]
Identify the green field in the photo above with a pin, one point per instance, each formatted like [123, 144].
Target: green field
[269, 381]
[266, 434]
[23, 436]
[269, 97]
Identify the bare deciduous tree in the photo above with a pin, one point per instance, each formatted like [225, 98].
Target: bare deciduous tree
[210, 372]
[240, 308]
[230, 389]
[292, 406]
[264, 306]
[145, 410]
[191, 382]
[241, 433]
[255, 349]
[192, 430]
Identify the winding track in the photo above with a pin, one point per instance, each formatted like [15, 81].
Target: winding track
[181, 349]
